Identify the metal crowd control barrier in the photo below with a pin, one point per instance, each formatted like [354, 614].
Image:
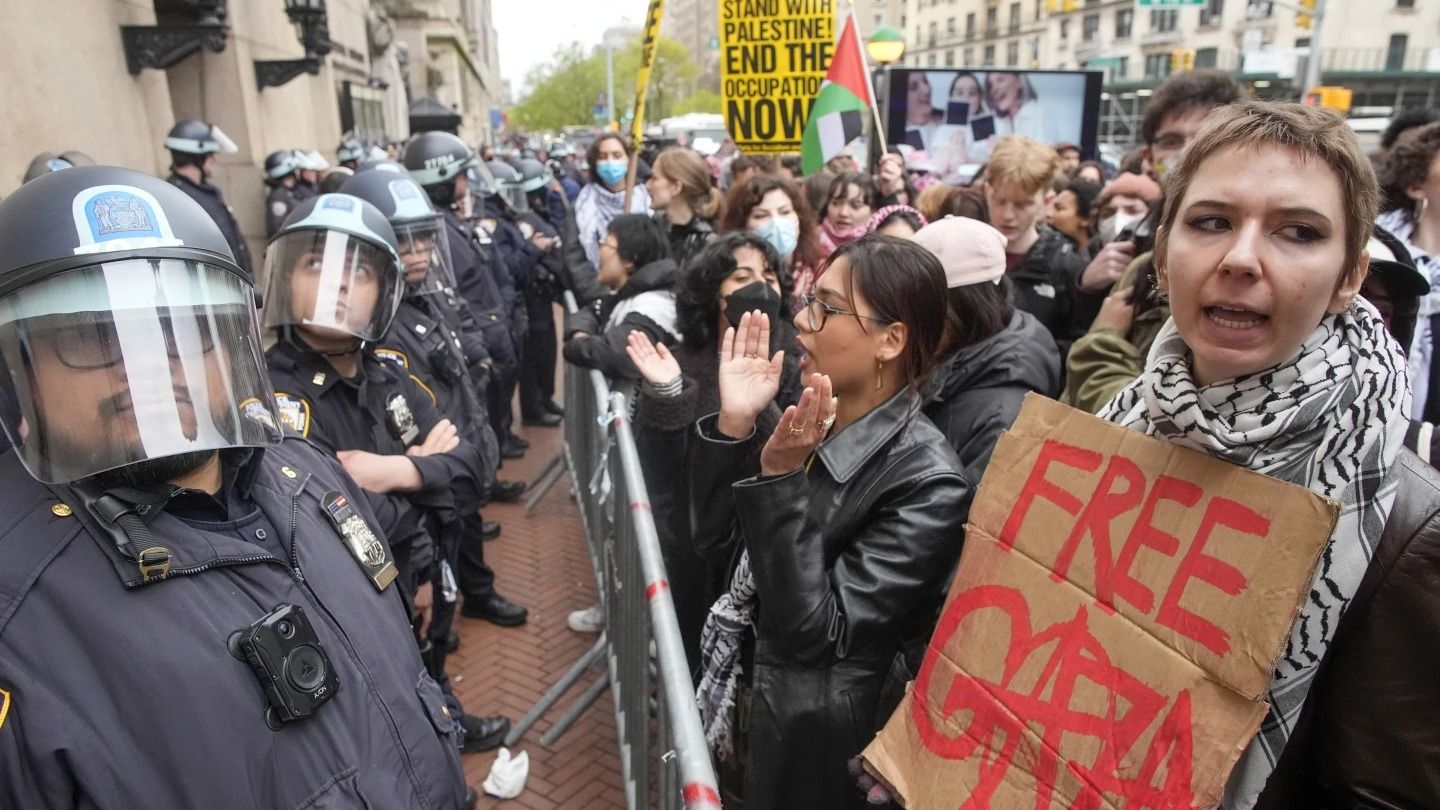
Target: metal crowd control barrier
[642, 636]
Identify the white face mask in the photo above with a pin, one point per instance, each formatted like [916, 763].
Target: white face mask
[1112, 227]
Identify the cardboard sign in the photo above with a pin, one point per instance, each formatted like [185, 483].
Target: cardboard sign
[773, 56]
[1111, 630]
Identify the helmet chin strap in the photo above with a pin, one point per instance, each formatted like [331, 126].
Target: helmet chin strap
[289, 336]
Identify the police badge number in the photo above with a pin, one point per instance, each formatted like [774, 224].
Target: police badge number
[372, 555]
[402, 419]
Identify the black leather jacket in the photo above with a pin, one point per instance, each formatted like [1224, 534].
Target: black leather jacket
[850, 562]
[1368, 736]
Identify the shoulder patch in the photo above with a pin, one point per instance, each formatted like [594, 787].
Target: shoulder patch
[279, 208]
[294, 413]
[393, 356]
[4, 706]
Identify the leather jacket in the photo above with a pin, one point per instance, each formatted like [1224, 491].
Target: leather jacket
[1369, 734]
[850, 560]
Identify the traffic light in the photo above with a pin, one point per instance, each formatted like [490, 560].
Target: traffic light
[1182, 59]
[1330, 98]
[1303, 19]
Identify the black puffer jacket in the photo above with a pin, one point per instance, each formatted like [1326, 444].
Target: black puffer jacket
[1045, 284]
[850, 559]
[980, 390]
[646, 303]
[688, 239]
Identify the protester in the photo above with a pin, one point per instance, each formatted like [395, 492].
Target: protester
[789, 167]
[602, 199]
[1072, 213]
[1272, 362]
[931, 201]
[1091, 171]
[737, 273]
[896, 220]
[846, 536]
[635, 264]
[1410, 184]
[817, 188]
[681, 192]
[776, 211]
[848, 206]
[1041, 263]
[1069, 159]
[744, 167]
[893, 185]
[994, 354]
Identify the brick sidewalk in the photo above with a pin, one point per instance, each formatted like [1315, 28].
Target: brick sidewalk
[540, 561]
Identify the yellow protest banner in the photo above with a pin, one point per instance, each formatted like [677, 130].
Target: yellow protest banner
[642, 86]
[773, 56]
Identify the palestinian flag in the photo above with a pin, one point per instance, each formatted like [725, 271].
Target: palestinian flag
[838, 114]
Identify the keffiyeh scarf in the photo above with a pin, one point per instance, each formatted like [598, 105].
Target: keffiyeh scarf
[1331, 419]
[729, 625]
[594, 209]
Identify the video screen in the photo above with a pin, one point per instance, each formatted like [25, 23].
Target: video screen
[956, 116]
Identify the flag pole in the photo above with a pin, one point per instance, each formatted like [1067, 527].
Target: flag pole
[874, 98]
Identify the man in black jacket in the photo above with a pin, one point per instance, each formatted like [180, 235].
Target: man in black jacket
[193, 146]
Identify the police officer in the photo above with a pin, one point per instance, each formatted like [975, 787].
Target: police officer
[334, 287]
[184, 570]
[441, 163]
[47, 162]
[424, 343]
[193, 146]
[282, 175]
[540, 225]
[350, 154]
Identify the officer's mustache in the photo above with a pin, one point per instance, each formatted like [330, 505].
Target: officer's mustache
[114, 405]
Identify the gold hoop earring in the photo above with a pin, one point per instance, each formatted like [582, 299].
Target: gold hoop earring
[879, 374]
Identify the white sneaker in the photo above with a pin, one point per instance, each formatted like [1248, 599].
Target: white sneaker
[589, 620]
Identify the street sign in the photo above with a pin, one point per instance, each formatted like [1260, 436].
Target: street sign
[1170, 3]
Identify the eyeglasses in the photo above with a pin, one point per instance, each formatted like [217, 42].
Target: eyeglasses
[97, 345]
[610, 245]
[818, 312]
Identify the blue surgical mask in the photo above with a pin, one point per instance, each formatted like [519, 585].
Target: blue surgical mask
[612, 172]
[782, 233]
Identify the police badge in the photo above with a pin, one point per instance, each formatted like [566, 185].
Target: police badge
[364, 546]
[402, 420]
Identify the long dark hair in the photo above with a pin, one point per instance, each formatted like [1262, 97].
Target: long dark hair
[977, 312]
[697, 302]
[840, 186]
[743, 199]
[903, 283]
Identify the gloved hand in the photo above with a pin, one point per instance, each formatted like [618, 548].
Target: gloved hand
[875, 792]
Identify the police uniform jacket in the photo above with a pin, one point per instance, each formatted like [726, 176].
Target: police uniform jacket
[209, 198]
[118, 692]
[383, 411]
[422, 344]
[278, 204]
[476, 274]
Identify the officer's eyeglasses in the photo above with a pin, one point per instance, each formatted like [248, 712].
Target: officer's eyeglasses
[818, 312]
[97, 345]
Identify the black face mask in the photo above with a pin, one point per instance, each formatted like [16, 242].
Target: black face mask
[757, 295]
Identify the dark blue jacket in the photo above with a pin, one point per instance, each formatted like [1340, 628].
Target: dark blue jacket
[117, 693]
[214, 204]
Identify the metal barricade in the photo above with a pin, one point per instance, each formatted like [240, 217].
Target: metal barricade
[642, 636]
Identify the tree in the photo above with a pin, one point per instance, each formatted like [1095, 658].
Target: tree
[703, 101]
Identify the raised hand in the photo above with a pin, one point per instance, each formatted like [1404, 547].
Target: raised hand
[802, 427]
[748, 381]
[654, 362]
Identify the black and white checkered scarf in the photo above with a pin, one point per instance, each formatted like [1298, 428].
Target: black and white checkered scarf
[729, 625]
[1331, 419]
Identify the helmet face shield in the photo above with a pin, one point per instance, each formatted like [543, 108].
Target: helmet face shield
[331, 284]
[127, 361]
[424, 251]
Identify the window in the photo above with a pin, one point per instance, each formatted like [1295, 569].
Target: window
[989, 55]
[1164, 20]
[1034, 51]
[1212, 12]
[1395, 54]
[1124, 21]
[992, 20]
[950, 58]
[1014, 16]
[1065, 28]
[1209, 57]
[1090, 31]
[969, 57]
[1122, 68]
[1012, 54]
[902, 22]
[879, 20]
[930, 60]
[934, 28]
[1157, 65]
[950, 25]
[1039, 10]
[970, 25]
[1405, 3]
[1259, 10]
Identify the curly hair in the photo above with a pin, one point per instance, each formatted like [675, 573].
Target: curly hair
[697, 301]
[1408, 164]
[743, 199]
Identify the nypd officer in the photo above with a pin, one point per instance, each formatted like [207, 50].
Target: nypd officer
[193, 146]
[194, 612]
[334, 287]
[282, 175]
[350, 154]
[540, 224]
[423, 342]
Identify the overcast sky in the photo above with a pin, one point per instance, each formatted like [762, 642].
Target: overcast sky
[530, 31]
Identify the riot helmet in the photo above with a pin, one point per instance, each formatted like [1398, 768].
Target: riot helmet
[191, 143]
[128, 332]
[436, 160]
[45, 163]
[334, 179]
[350, 153]
[424, 251]
[384, 164]
[535, 180]
[334, 277]
[280, 165]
